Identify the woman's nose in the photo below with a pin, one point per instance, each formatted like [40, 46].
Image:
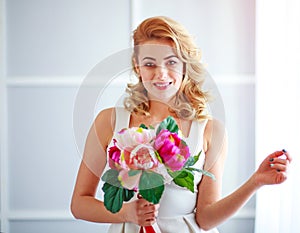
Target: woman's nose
[161, 72]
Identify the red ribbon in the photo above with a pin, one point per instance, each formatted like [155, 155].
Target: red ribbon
[148, 229]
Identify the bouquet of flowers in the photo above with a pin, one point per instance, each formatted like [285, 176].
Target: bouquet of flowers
[143, 160]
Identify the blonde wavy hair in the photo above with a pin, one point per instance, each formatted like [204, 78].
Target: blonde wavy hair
[190, 100]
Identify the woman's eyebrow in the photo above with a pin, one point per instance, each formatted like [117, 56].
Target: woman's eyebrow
[149, 58]
[166, 58]
[171, 56]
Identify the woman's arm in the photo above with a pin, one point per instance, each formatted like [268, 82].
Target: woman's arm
[211, 210]
[84, 205]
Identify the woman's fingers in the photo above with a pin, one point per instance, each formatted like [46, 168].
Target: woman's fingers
[280, 154]
[288, 157]
[280, 160]
[279, 167]
[147, 212]
[276, 154]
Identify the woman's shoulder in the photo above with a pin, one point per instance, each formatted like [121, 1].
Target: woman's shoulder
[214, 124]
[214, 132]
[105, 120]
[107, 117]
[105, 114]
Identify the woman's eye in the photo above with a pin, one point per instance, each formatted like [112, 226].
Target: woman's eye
[172, 62]
[149, 64]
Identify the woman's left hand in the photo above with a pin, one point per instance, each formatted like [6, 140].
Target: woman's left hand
[273, 170]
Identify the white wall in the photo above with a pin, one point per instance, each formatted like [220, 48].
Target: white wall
[278, 28]
[49, 47]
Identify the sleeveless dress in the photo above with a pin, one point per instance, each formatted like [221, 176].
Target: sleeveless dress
[177, 204]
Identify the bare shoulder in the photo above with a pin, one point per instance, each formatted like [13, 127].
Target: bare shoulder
[214, 129]
[215, 141]
[106, 117]
[104, 123]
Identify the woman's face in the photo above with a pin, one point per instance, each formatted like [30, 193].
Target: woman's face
[160, 69]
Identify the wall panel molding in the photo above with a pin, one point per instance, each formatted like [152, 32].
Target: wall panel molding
[76, 81]
[63, 215]
[30, 215]
[3, 123]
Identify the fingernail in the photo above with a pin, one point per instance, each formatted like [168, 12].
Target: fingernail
[283, 150]
[272, 165]
[271, 160]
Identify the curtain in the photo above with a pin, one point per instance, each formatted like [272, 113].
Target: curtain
[278, 110]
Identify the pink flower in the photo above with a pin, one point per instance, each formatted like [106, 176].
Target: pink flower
[142, 157]
[114, 154]
[129, 138]
[173, 151]
[129, 181]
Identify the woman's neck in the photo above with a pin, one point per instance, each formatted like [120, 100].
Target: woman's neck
[159, 110]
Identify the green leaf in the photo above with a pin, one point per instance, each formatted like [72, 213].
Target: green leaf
[170, 124]
[114, 193]
[206, 173]
[192, 160]
[184, 178]
[111, 177]
[133, 172]
[151, 186]
[113, 197]
[143, 126]
[127, 194]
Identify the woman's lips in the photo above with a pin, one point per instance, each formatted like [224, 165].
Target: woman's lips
[162, 85]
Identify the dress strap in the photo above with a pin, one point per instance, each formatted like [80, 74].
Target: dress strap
[195, 138]
[122, 118]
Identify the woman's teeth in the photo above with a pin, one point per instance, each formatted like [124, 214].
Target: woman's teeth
[162, 84]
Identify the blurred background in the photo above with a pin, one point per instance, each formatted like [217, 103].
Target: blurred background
[49, 46]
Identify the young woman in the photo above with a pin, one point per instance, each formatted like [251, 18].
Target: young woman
[170, 76]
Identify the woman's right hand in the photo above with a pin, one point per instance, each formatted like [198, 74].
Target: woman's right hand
[141, 212]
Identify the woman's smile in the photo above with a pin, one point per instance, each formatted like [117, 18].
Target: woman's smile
[162, 85]
[160, 69]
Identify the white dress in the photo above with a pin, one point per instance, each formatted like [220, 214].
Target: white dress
[177, 204]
